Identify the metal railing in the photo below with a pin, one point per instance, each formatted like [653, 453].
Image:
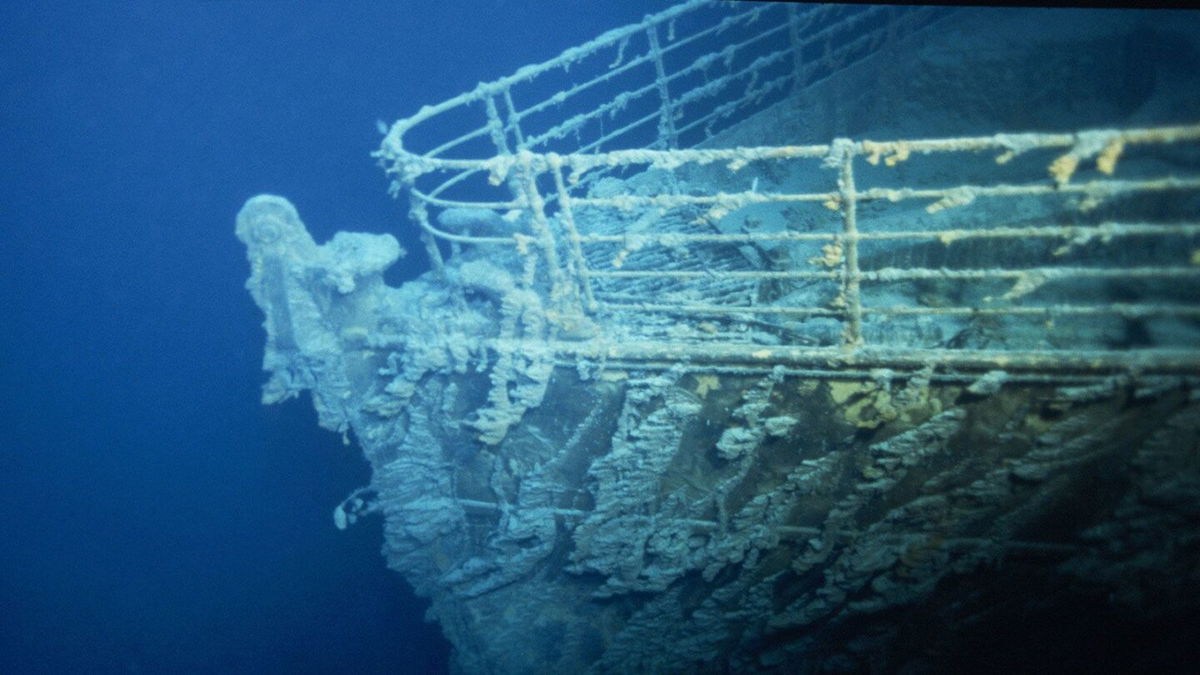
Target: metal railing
[681, 267]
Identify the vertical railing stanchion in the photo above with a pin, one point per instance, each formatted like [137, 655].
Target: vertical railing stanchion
[419, 213]
[514, 120]
[496, 126]
[578, 263]
[496, 129]
[667, 136]
[851, 275]
[564, 295]
[797, 54]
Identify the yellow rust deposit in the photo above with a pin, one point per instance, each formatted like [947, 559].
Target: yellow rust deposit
[871, 404]
[1063, 168]
[892, 153]
[832, 255]
[1106, 162]
[707, 383]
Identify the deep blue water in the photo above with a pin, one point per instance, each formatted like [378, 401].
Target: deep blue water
[156, 518]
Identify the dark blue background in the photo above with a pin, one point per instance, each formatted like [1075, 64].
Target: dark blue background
[153, 516]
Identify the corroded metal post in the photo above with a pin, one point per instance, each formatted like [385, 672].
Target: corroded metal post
[851, 275]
